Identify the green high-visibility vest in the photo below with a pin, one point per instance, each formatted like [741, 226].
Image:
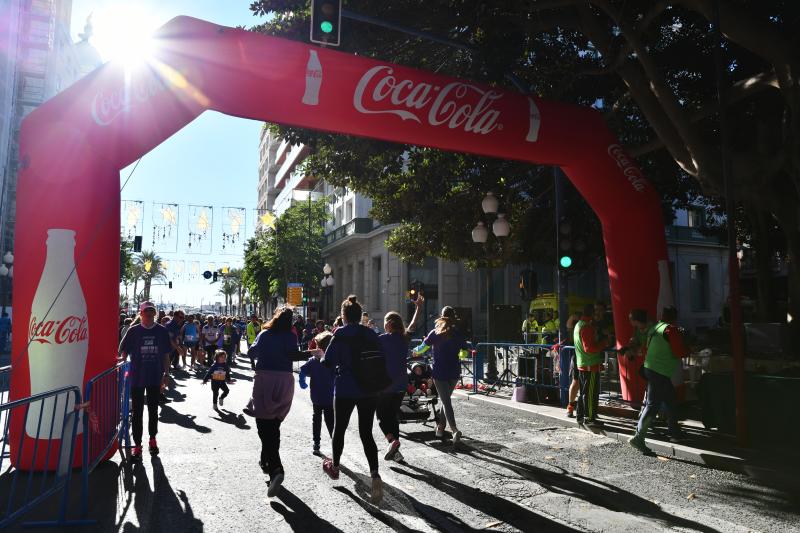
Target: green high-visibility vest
[659, 357]
[530, 326]
[583, 357]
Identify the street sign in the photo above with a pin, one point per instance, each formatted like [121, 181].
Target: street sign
[294, 294]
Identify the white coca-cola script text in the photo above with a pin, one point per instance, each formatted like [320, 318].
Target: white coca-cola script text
[70, 330]
[108, 105]
[458, 105]
[629, 168]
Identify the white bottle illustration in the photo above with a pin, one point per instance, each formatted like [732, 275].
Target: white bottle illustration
[58, 336]
[313, 79]
[534, 122]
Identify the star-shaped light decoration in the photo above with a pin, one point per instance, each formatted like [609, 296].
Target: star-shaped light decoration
[267, 219]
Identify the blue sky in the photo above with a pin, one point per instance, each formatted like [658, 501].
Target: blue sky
[211, 162]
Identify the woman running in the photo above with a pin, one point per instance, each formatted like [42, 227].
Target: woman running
[348, 395]
[447, 342]
[190, 333]
[273, 388]
[395, 347]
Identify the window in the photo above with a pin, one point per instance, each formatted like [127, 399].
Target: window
[360, 275]
[377, 283]
[338, 218]
[349, 214]
[699, 287]
[349, 278]
[695, 218]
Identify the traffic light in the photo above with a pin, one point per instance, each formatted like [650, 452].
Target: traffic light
[564, 244]
[326, 22]
[137, 243]
[214, 276]
[170, 284]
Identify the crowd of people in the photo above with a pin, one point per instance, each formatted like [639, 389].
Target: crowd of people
[353, 366]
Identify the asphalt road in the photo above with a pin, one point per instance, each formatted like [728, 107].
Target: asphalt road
[514, 472]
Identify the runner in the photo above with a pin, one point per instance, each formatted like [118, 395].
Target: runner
[273, 390]
[395, 346]
[447, 343]
[348, 394]
[210, 338]
[191, 338]
[148, 345]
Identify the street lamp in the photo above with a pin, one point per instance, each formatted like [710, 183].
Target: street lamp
[6, 273]
[327, 284]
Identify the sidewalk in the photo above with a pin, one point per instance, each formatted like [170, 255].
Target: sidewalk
[710, 448]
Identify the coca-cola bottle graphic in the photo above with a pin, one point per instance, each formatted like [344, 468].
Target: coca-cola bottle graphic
[313, 79]
[58, 334]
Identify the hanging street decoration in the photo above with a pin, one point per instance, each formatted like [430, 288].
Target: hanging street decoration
[233, 229]
[201, 219]
[131, 215]
[165, 227]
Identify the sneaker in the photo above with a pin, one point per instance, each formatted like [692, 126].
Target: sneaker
[153, 446]
[439, 432]
[398, 457]
[377, 490]
[136, 453]
[593, 424]
[456, 438]
[221, 401]
[638, 443]
[249, 412]
[571, 410]
[275, 484]
[329, 468]
[318, 453]
[392, 449]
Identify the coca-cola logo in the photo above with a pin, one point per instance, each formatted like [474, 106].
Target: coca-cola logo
[108, 105]
[70, 330]
[459, 105]
[629, 168]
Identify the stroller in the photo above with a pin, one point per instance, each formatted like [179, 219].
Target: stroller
[419, 402]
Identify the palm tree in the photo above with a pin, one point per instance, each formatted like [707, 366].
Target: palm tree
[151, 270]
[227, 289]
[235, 275]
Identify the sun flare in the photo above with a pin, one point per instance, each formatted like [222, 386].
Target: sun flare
[124, 32]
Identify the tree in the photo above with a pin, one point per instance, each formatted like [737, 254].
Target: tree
[150, 269]
[227, 289]
[650, 67]
[292, 252]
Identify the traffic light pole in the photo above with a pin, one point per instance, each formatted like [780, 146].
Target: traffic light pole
[563, 308]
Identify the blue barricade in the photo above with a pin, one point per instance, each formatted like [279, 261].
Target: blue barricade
[106, 419]
[24, 489]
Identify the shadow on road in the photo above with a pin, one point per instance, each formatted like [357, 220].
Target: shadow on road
[171, 416]
[504, 510]
[241, 377]
[232, 418]
[587, 489]
[298, 515]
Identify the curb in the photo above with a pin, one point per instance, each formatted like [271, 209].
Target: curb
[711, 459]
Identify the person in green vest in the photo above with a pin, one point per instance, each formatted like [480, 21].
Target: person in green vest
[550, 328]
[251, 332]
[530, 328]
[663, 346]
[589, 349]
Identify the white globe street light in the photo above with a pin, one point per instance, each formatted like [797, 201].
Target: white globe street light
[327, 269]
[501, 228]
[3, 270]
[330, 281]
[480, 233]
[8, 258]
[490, 203]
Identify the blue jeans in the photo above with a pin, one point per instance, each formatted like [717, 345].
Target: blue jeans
[660, 393]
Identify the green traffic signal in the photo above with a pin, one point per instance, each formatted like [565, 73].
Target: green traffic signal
[326, 27]
[565, 261]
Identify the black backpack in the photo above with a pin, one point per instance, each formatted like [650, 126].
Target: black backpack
[368, 361]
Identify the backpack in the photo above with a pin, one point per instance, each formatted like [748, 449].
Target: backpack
[368, 361]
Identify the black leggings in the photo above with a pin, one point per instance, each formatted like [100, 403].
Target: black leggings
[387, 411]
[138, 396]
[343, 408]
[269, 431]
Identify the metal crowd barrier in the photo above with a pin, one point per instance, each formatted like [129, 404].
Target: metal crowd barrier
[26, 489]
[522, 364]
[106, 421]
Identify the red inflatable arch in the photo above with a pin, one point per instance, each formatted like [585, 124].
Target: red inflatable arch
[73, 147]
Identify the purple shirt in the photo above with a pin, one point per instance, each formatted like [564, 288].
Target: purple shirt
[321, 381]
[146, 348]
[395, 348]
[446, 364]
[338, 355]
[274, 350]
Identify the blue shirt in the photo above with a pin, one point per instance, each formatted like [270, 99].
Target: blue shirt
[174, 329]
[146, 348]
[321, 381]
[217, 372]
[274, 350]
[395, 348]
[446, 364]
[338, 355]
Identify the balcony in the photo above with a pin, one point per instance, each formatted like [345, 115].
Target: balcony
[680, 234]
[354, 227]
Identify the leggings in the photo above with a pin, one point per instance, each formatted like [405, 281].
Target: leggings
[445, 388]
[388, 407]
[343, 408]
[269, 431]
[137, 397]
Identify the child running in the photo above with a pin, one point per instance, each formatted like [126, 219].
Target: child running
[217, 374]
[321, 389]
